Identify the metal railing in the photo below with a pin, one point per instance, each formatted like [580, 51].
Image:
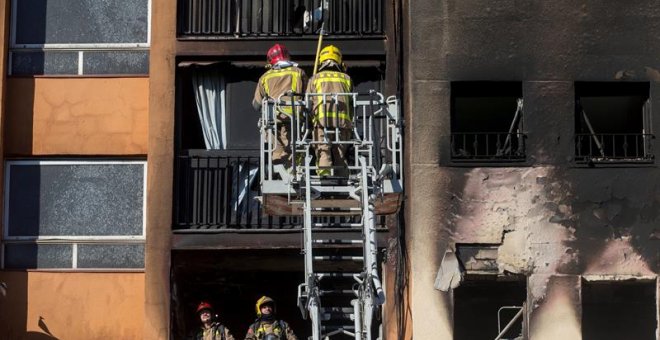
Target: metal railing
[217, 190]
[254, 18]
[614, 148]
[487, 146]
[375, 132]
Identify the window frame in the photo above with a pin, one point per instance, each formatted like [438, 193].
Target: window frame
[80, 48]
[72, 241]
[645, 157]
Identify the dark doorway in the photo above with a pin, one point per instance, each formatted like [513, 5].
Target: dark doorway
[232, 281]
[619, 310]
[477, 304]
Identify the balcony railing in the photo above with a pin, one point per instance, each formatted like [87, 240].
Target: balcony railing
[217, 190]
[488, 146]
[614, 148]
[259, 18]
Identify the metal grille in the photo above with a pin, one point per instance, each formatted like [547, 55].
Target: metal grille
[488, 146]
[218, 191]
[280, 17]
[214, 191]
[614, 147]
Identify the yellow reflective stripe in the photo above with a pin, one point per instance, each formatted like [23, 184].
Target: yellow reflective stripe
[295, 76]
[322, 113]
[280, 73]
[341, 115]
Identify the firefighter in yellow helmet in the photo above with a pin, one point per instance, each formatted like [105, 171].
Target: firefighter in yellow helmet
[267, 326]
[337, 112]
[283, 76]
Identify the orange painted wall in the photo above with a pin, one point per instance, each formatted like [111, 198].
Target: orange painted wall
[76, 116]
[72, 305]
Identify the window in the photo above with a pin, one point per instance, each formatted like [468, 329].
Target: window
[487, 122]
[612, 123]
[74, 214]
[619, 310]
[79, 37]
[483, 308]
[280, 17]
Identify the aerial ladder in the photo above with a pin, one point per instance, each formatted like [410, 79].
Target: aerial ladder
[342, 291]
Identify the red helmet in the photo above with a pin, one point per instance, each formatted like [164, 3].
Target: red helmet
[277, 53]
[204, 305]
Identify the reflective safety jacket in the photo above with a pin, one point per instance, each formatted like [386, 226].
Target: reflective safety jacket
[260, 328]
[217, 331]
[336, 112]
[277, 81]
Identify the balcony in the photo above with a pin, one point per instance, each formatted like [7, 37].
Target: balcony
[216, 190]
[487, 147]
[614, 148]
[208, 19]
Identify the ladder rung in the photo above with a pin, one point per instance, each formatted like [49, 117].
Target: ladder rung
[349, 310]
[322, 275]
[336, 292]
[335, 209]
[338, 241]
[331, 316]
[330, 225]
[335, 327]
[339, 258]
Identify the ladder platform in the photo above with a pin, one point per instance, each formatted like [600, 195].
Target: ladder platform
[279, 198]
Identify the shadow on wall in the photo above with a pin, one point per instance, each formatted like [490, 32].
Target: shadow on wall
[13, 305]
[19, 117]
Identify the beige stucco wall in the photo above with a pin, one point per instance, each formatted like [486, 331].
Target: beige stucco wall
[72, 305]
[76, 116]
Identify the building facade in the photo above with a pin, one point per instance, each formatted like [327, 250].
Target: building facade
[531, 167]
[531, 179]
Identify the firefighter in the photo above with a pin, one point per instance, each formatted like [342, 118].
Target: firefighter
[336, 116]
[267, 326]
[211, 329]
[283, 76]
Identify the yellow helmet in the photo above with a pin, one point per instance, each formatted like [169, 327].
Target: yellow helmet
[330, 52]
[262, 301]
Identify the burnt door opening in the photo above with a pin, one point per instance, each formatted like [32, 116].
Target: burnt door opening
[619, 310]
[477, 304]
[232, 281]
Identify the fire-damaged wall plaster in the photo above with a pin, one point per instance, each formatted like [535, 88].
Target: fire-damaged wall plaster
[548, 218]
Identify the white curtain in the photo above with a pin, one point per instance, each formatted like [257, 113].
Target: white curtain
[210, 98]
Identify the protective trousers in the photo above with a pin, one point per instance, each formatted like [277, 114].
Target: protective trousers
[329, 154]
[282, 151]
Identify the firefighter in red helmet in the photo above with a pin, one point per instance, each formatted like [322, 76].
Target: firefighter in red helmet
[283, 76]
[267, 326]
[211, 328]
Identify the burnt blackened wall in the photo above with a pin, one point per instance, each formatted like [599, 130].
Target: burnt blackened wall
[550, 219]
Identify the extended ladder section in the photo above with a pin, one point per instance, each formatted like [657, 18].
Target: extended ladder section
[342, 289]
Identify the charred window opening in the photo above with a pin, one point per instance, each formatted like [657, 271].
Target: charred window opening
[232, 281]
[619, 310]
[612, 122]
[483, 309]
[487, 122]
